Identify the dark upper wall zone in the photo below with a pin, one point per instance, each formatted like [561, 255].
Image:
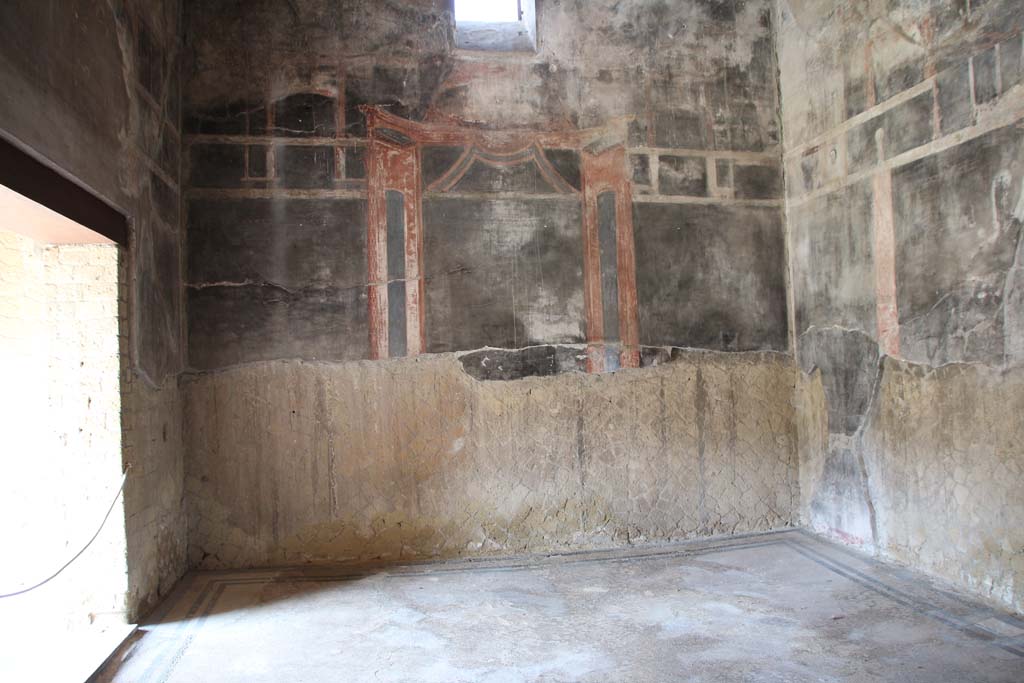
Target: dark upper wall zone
[958, 227]
[503, 273]
[675, 66]
[272, 119]
[711, 277]
[276, 278]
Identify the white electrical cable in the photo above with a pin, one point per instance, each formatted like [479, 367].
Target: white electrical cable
[67, 564]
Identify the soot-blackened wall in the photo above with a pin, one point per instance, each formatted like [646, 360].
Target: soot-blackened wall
[360, 190]
[905, 185]
[278, 148]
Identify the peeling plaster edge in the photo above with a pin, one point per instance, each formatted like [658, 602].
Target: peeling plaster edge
[990, 120]
[1012, 355]
[927, 368]
[191, 374]
[885, 366]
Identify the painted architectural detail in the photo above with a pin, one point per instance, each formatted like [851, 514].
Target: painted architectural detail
[605, 173]
[393, 167]
[468, 162]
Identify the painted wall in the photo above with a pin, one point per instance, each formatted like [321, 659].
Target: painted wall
[904, 170]
[278, 152]
[605, 201]
[93, 88]
[293, 462]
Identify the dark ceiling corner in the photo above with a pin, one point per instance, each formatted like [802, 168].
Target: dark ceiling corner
[29, 177]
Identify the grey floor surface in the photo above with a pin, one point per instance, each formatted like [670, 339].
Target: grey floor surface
[777, 607]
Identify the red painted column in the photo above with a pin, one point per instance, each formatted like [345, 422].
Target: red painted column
[629, 315]
[409, 183]
[376, 249]
[602, 173]
[593, 185]
[393, 166]
[887, 310]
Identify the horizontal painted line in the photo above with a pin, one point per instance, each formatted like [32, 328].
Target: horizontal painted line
[854, 121]
[272, 193]
[208, 138]
[992, 120]
[156, 107]
[760, 158]
[574, 197]
[154, 166]
[725, 201]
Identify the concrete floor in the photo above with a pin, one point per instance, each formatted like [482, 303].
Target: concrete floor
[776, 607]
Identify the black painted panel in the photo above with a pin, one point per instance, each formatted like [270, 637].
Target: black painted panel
[258, 161]
[848, 360]
[396, 319]
[985, 86]
[956, 110]
[683, 176]
[906, 126]
[567, 163]
[305, 115]
[231, 118]
[292, 242]
[640, 167]
[505, 273]
[957, 229]
[394, 202]
[303, 167]
[438, 160]
[710, 276]
[1011, 62]
[525, 177]
[833, 266]
[607, 240]
[355, 163]
[216, 165]
[536, 361]
[757, 182]
[230, 325]
[680, 129]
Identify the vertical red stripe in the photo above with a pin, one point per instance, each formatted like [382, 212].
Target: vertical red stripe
[592, 266]
[604, 172]
[376, 251]
[887, 310]
[629, 320]
[394, 167]
[410, 181]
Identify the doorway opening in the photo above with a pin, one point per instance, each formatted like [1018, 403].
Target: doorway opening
[62, 332]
